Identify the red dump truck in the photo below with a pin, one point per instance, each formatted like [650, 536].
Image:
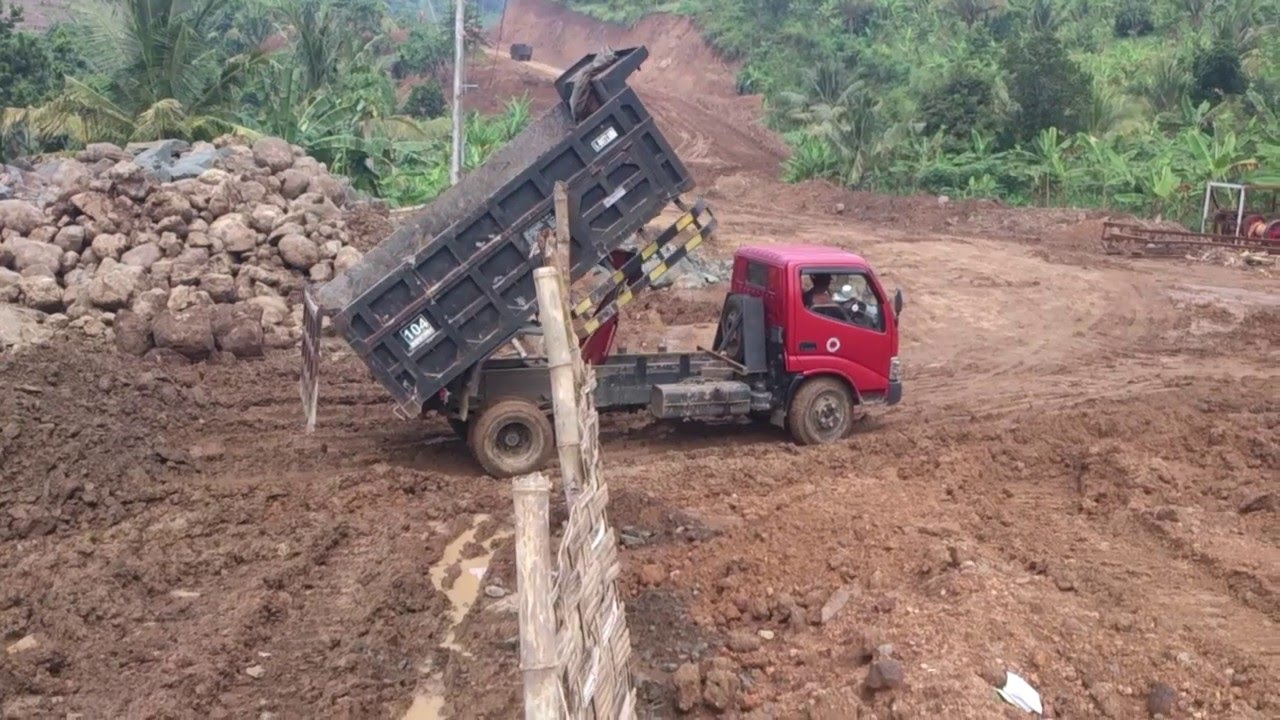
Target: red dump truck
[807, 334]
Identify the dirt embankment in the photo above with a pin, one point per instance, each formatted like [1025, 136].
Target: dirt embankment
[688, 87]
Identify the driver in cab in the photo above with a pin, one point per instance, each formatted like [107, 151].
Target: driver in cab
[820, 293]
[843, 305]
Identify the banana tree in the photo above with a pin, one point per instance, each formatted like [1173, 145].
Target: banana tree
[1049, 166]
[1110, 169]
[1214, 158]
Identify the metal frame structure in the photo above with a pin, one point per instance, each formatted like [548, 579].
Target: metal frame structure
[1209, 187]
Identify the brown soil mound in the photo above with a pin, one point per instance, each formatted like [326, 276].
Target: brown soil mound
[560, 37]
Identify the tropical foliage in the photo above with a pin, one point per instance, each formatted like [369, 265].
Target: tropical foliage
[1127, 104]
[322, 74]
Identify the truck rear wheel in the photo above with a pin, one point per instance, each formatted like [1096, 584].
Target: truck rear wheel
[821, 412]
[511, 437]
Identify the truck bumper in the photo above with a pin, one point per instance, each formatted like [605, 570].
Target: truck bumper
[894, 396]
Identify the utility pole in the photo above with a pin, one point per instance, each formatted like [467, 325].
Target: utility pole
[459, 23]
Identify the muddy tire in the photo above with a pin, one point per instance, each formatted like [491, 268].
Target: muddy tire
[511, 437]
[821, 412]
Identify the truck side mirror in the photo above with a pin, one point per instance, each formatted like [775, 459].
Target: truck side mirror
[897, 303]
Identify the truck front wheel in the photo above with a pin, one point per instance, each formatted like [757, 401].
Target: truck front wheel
[821, 412]
[511, 437]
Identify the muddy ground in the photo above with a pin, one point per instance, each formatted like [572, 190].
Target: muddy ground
[1080, 487]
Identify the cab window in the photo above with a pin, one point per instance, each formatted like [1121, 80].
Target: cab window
[844, 296]
[758, 275]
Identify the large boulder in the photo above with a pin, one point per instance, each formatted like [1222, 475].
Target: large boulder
[44, 234]
[70, 238]
[20, 216]
[149, 304]
[237, 159]
[310, 205]
[286, 227]
[164, 204]
[330, 187]
[275, 311]
[298, 252]
[191, 165]
[176, 227]
[235, 232]
[213, 177]
[186, 297]
[114, 285]
[321, 272]
[188, 333]
[224, 199]
[41, 293]
[273, 153]
[143, 256]
[237, 329]
[157, 157]
[66, 174]
[94, 204]
[265, 218]
[109, 245]
[133, 333]
[129, 179]
[220, 286]
[346, 258]
[250, 192]
[20, 327]
[9, 286]
[31, 254]
[293, 183]
[97, 152]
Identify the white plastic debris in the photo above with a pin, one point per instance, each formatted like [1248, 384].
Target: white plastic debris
[1018, 693]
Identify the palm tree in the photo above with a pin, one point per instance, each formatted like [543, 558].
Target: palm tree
[154, 72]
[319, 39]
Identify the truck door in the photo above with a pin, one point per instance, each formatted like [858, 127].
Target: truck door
[842, 323]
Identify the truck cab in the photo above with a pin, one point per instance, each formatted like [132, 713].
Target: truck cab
[826, 314]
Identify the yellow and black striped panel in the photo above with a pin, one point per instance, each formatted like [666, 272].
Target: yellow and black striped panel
[604, 313]
[636, 263]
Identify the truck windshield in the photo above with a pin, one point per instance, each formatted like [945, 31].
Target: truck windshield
[847, 297]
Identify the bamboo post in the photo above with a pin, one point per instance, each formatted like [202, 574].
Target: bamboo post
[532, 496]
[552, 314]
[560, 255]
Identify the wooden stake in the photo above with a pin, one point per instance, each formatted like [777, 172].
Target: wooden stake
[560, 258]
[532, 495]
[553, 316]
[562, 261]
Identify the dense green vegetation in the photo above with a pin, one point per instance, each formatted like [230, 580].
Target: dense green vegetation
[1128, 104]
[324, 74]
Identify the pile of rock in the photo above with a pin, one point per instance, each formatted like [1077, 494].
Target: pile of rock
[193, 249]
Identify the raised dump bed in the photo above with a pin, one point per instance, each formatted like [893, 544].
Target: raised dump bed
[456, 283]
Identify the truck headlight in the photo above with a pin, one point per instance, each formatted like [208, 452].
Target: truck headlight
[895, 370]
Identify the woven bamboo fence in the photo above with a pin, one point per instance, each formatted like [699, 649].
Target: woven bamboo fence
[592, 638]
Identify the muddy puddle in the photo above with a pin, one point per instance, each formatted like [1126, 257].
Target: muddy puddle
[468, 580]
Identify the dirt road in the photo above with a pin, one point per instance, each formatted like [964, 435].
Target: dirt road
[1080, 487]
